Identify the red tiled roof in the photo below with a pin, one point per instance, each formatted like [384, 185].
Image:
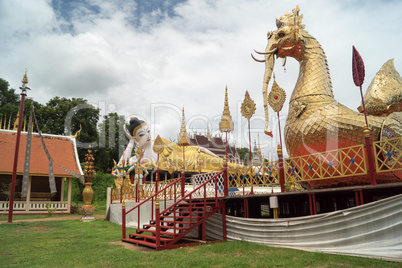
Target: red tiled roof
[61, 148]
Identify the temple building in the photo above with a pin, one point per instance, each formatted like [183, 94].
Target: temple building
[256, 153]
[39, 199]
[215, 144]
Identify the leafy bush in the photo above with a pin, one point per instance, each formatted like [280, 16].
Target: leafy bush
[100, 184]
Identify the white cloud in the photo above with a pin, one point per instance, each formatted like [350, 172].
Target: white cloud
[184, 60]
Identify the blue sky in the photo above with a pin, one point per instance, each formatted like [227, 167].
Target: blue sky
[151, 58]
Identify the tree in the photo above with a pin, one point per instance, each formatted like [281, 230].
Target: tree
[64, 116]
[10, 105]
[244, 153]
[111, 142]
[7, 95]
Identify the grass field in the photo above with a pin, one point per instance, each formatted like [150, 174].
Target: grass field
[71, 243]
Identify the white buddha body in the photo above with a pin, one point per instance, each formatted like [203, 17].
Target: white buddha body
[139, 133]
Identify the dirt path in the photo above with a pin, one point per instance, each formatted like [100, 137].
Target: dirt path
[54, 219]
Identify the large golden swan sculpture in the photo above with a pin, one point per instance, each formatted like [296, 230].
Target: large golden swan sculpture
[316, 122]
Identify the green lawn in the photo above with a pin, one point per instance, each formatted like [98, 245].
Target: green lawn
[87, 244]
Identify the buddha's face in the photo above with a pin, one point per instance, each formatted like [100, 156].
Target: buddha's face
[143, 136]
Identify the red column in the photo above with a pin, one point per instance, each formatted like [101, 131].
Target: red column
[370, 156]
[225, 178]
[158, 224]
[314, 205]
[357, 198]
[361, 197]
[123, 219]
[183, 186]
[310, 201]
[281, 169]
[17, 146]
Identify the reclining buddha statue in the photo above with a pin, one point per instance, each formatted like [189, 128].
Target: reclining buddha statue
[197, 159]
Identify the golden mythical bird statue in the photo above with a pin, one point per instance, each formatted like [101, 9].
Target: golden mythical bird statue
[316, 122]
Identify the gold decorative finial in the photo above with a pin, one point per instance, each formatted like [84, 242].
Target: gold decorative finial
[89, 170]
[158, 145]
[248, 106]
[77, 133]
[183, 138]
[276, 97]
[226, 123]
[25, 78]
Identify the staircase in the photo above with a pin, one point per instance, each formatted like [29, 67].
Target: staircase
[169, 227]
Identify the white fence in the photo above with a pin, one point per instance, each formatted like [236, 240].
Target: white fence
[211, 187]
[35, 206]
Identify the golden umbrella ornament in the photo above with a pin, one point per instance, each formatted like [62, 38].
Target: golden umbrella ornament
[276, 99]
[247, 110]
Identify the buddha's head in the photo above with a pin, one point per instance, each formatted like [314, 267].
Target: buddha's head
[140, 131]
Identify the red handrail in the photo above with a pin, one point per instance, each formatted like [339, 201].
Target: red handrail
[196, 189]
[124, 213]
[190, 201]
[174, 183]
[152, 196]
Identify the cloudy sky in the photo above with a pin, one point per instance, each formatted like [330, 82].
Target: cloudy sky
[150, 58]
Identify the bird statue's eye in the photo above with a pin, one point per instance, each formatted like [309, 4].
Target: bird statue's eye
[281, 34]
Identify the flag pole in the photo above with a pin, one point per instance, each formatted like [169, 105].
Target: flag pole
[17, 146]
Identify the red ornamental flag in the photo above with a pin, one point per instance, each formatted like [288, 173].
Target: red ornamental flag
[358, 68]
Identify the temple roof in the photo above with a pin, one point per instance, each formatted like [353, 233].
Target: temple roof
[214, 144]
[61, 148]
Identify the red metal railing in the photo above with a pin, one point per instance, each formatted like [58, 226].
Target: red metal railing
[152, 198]
[163, 192]
[189, 199]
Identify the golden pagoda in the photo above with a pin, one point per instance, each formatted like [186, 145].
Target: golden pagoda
[183, 138]
[226, 123]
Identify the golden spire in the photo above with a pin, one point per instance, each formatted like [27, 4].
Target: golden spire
[25, 78]
[183, 138]
[16, 122]
[9, 123]
[226, 123]
[24, 82]
[259, 148]
[209, 135]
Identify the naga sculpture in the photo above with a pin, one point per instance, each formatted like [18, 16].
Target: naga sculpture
[316, 122]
